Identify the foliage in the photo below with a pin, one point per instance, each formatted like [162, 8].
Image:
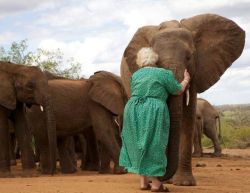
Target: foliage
[52, 61]
[17, 53]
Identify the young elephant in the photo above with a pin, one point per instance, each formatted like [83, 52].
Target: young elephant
[78, 105]
[207, 122]
[23, 86]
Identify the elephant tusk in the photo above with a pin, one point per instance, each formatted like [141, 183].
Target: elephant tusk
[41, 107]
[187, 97]
[117, 122]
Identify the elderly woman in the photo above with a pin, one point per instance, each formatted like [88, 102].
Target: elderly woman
[146, 120]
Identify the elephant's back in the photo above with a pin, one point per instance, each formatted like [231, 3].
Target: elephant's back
[67, 85]
[204, 107]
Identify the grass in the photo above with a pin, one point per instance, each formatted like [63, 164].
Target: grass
[235, 129]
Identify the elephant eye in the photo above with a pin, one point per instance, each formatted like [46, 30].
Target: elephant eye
[188, 57]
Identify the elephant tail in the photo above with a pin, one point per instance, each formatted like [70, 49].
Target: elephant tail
[218, 129]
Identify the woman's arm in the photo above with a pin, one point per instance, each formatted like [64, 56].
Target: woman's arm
[184, 83]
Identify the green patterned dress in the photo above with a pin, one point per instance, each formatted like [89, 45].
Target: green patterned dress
[146, 121]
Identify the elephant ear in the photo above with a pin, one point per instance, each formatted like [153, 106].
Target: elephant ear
[7, 91]
[107, 90]
[219, 42]
[142, 38]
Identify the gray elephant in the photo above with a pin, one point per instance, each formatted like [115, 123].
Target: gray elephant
[79, 105]
[207, 122]
[206, 45]
[22, 86]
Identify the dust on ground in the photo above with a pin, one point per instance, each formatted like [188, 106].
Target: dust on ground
[228, 174]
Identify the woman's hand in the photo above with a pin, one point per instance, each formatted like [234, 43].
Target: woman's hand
[186, 76]
[184, 83]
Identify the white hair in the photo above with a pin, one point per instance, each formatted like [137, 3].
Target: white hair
[146, 57]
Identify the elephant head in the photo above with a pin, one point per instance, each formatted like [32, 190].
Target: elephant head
[29, 85]
[205, 44]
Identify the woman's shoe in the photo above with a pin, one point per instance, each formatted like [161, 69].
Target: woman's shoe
[160, 189]
[148, 187]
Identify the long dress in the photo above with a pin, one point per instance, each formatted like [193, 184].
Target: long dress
[146, 121]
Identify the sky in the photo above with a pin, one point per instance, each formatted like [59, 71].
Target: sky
[96, 32]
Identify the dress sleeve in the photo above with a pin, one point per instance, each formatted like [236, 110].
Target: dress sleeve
[171, 84]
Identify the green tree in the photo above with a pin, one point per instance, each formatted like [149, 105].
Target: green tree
[17, 52]
[52, 61]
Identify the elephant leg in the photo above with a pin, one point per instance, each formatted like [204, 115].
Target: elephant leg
[83, 145]
[12, 149]
[103, 125]
[70, 145]
[215, 139]
[41, 146]
[66, 161]
[106, 165]
[17, 150]
[217, 148]
[184, 175]
[37, 153]
[197, 142]
[104, 160]
[92, 156]
[24, 138]
[4, 139]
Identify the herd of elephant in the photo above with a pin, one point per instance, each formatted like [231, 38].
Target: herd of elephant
[51, 109]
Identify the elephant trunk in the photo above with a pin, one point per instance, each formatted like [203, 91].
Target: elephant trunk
[175, 108]
[51, 128]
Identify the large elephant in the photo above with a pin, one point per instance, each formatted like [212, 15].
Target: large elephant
[79, 105]
[23, 86]
[206, 45]
[207, 122]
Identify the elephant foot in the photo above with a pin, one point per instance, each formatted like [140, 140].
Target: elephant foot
[105, 171]
[28, 173]
[197, 154]
[170, 181]
[46, 170]
[119, 170]
[184, 180]
[90, 167]
[13, 162]
[69, 170]
[217, 154]
[7, 174]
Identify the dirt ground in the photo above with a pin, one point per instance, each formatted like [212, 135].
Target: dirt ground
[228, 174]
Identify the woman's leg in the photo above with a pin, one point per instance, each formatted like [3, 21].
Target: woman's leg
[155, 183]
[157, 186]
[144, 181]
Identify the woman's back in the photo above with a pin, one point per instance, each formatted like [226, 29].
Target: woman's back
[153, 82]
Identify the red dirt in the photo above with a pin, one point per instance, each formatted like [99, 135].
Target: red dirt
[228, 174]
